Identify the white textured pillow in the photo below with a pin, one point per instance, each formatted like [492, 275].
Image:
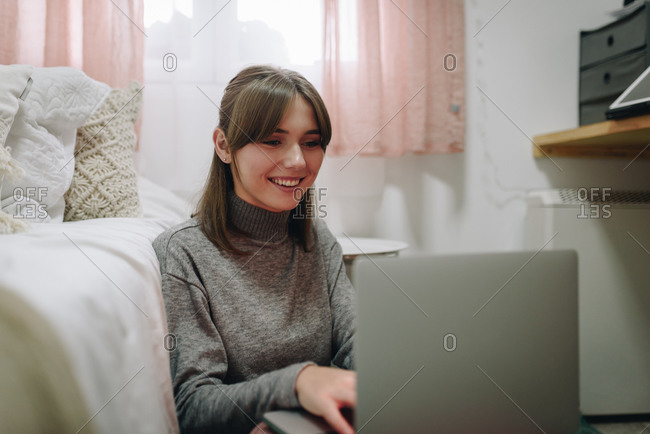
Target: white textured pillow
[15, 83]
[105, 180]
[42, 139]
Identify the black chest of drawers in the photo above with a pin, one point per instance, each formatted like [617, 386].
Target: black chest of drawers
[611, 58]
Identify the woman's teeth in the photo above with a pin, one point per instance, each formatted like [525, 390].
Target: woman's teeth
[286, 182]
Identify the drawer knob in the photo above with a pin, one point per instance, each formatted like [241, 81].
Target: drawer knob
[606, 78]
[610, 40]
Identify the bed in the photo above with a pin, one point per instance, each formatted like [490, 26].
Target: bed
[97, 283]
[82, 320]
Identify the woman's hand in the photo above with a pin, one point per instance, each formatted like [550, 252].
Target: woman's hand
[324, 391]
[262, 428]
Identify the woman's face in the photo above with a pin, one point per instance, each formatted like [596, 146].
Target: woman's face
[274, 173]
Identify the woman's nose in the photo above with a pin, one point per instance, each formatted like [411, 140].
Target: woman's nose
[292, 157]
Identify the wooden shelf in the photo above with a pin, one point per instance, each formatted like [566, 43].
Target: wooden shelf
[615, 138]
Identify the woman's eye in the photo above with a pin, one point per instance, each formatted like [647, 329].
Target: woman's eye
[272, 142]
[311, 144]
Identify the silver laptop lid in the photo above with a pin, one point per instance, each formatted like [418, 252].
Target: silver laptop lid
[468, 343]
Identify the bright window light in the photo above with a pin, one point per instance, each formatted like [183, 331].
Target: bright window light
[298, 21]
[163, 10]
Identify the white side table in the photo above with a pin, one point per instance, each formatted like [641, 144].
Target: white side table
[355, 246]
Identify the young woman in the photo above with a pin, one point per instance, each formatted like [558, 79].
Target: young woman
[255, 289]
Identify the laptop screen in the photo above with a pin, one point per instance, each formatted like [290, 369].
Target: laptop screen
[638, 91]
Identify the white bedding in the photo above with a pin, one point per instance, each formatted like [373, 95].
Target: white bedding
[98, 283]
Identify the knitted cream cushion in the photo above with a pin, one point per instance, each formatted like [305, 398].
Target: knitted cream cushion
[104, 182]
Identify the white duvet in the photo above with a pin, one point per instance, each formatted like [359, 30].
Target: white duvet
[97, 282]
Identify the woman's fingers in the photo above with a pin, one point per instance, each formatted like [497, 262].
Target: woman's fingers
[324, 391]
[337, 421]
[262, 428]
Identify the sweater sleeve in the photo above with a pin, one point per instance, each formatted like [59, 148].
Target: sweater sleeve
[342, 300]
[198, 361]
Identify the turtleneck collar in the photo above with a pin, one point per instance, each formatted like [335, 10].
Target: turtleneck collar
[255, 222]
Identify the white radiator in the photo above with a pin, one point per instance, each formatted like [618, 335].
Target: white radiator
[610, 230]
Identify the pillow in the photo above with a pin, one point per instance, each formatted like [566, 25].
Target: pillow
[42, 141]
[15, 83]
[105, 181]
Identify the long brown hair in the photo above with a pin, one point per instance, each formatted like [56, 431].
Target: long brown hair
[252, 107]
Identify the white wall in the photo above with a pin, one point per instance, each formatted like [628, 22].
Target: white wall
[525, 61]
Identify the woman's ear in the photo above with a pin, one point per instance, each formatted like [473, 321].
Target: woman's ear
[221, 146]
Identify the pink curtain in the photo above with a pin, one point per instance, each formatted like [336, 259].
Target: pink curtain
[401, 87]
[104, 38]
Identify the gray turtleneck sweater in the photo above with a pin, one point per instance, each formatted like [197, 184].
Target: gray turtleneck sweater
[245, 326]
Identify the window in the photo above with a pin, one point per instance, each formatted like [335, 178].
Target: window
[207, 41]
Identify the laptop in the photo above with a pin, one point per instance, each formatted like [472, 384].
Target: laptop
[634, 101]
[464, 343]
